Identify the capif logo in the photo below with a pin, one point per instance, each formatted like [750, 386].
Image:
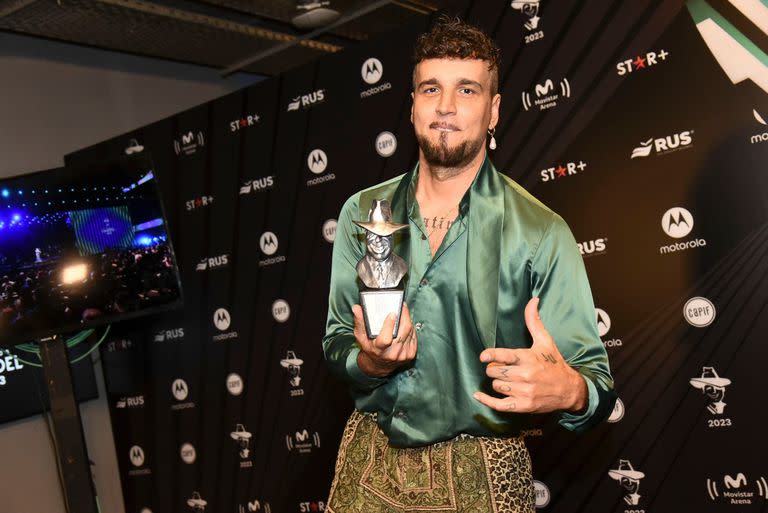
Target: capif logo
[234, 384]
[188, 453]
[281, 310]
[329, 230]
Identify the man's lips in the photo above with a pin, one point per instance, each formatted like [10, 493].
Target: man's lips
[444, 127]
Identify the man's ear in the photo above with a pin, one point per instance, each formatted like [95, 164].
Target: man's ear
[411, 107]
[495, 106]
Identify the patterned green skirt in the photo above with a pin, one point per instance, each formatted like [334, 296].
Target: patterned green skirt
[464, 475]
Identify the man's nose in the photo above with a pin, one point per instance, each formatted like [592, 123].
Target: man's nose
[447, 103]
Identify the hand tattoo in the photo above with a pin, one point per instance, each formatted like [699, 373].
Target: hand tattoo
[548, 357]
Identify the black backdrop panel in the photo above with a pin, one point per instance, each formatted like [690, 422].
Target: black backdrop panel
[616, 114]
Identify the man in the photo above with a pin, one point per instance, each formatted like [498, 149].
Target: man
[439, 408]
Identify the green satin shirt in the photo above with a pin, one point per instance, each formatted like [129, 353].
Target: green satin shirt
[504, 248]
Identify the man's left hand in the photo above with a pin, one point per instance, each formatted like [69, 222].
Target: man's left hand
[534, 380]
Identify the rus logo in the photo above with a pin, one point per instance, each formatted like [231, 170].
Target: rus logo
[306, 100]
[662, 145]
[592, 247]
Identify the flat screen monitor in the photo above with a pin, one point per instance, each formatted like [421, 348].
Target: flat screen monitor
[82, 247]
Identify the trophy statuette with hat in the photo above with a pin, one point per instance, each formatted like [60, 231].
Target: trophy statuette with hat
[380, 270]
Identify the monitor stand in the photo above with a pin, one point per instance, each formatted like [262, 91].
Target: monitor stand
[70, 447]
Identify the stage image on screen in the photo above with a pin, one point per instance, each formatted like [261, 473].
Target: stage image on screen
[80, 247]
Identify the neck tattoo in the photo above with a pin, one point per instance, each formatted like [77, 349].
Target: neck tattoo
[439, 223]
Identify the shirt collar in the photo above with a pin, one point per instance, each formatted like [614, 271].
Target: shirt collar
[463, 204]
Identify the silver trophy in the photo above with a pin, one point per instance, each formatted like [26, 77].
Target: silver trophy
[380, 270]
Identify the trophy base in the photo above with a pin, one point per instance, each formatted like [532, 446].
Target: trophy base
[377, 304]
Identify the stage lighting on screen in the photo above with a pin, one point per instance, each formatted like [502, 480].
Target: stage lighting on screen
[94, 250]
[74, 273]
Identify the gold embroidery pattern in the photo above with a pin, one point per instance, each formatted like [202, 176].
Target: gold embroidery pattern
[458, 476]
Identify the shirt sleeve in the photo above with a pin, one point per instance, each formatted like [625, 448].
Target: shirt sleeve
[339, 344]
[567, 310]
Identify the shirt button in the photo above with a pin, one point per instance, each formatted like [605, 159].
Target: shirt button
[418, 326]
[401, 415]
[424, 282]
[410, 372]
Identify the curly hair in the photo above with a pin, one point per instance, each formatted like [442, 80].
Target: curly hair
[451, 38]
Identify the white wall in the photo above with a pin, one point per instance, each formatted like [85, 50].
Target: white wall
[56, 98]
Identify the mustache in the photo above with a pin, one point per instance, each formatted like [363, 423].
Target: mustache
[449, 126]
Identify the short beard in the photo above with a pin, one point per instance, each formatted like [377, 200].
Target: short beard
[448, 162]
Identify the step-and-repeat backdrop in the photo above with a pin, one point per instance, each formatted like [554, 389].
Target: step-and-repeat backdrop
[643, 123]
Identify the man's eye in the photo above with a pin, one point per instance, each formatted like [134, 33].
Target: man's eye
[429, 90]
[467, 90]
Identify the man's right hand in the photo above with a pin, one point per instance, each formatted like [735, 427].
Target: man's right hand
[383, 355]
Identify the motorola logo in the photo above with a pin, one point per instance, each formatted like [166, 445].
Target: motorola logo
[699, 312]
[603, 322]
[677, 222]
[234, 384]
[280, 310]
[317, 161]
[604, 326]
[221, 319]
[618, 412]
[180, 389]
[329, 230]
[268, 243]
[372, 70]
[188, 453]
[137, 456]
[386, 144]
